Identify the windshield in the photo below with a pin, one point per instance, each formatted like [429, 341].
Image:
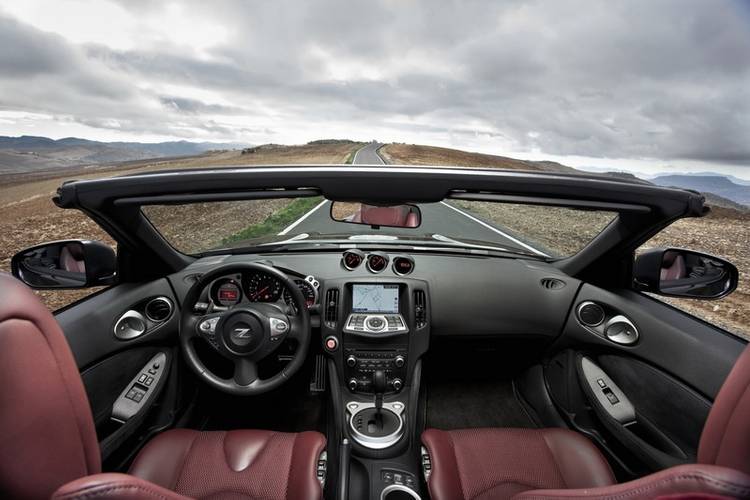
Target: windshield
[536, 230]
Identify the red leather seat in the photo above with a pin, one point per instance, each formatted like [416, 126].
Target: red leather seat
[48, 441]
[554, 463]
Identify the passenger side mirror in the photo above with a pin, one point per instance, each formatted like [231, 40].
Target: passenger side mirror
[676, 272]
[66, 264]
[408, 216]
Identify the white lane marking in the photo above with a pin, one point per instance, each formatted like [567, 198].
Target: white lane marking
[492, 228]
[308, 214]
[354, 160]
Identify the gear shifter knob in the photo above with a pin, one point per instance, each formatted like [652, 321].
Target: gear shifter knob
[379, 384]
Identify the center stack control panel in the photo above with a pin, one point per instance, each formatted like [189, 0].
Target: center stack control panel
[362, 363]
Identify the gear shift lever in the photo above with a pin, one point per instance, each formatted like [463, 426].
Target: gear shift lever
[378, 386]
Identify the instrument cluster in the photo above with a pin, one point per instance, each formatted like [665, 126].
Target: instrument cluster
[260, 287]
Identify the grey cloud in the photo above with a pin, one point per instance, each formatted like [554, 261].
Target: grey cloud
[621, 79]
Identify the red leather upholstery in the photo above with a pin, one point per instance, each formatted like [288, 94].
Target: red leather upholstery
[47, 435]
[498, 463]
[48, 442]
[725, 440]
[113, 486]
[240, 464]
[684, 481]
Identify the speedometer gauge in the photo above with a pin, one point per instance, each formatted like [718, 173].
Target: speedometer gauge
[308, 292]
[262, 287]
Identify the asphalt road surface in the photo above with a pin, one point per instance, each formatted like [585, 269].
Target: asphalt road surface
[441, 218]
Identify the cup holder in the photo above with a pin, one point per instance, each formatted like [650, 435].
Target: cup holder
[399, 492]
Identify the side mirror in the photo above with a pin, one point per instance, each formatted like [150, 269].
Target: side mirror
[406, 216]
[676, 272]
[66, 264]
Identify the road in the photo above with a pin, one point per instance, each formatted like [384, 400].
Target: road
[437, 219]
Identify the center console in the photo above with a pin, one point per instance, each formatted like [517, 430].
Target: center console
[375, 332]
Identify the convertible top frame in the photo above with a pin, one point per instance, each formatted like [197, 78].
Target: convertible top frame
[114, 203]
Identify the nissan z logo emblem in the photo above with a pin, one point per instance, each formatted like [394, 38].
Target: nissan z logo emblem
[242, 333]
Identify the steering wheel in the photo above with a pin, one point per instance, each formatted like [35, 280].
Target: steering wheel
[245, 334]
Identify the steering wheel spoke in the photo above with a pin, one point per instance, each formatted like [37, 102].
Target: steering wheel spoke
[244, 334]
[296, 328]
[245, 371]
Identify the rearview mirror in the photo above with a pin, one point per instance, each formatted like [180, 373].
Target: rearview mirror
[408, 216]
[676, 272]
[65, 264]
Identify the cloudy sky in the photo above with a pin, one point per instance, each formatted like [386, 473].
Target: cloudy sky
[648, 85]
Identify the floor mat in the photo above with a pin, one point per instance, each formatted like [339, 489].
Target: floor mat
[468, 404]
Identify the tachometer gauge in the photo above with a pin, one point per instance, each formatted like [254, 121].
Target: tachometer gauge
[308, 292]
[262, 287]
[226, 292]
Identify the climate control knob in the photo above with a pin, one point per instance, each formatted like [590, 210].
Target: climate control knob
[353, 384]
[351, 361]
[397, 384]
[399, 361]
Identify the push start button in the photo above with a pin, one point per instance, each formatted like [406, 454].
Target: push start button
[331, 344]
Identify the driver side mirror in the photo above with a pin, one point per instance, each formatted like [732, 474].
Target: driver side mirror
[676, 272]
[66, 264]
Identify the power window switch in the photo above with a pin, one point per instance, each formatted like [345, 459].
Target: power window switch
[138, 397]
[612, 398]
[131, 394]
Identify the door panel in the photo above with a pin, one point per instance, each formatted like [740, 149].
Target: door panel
[111, 364]
[690, 350]
[671, 376]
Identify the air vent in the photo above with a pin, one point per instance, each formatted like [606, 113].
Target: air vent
[420, 309]
[590, 313]
[159, 309]
[552, 283]
[331, 312]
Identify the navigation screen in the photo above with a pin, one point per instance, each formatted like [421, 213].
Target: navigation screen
[375, 298]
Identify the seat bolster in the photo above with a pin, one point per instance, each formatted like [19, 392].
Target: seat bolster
[695, 479]
[580, 462]
[113, 486]
[303, 482]
[444, 482]
[161, 460]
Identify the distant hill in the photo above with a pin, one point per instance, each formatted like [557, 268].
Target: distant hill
[716, 184]
[31, 153]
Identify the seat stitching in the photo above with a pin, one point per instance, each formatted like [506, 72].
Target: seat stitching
[733, 487]
[554, 459]
[504, 482]
[97, 491]
[458, 466]
[184, 461]
[289, 469]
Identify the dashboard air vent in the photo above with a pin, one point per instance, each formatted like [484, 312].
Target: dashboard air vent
[552, 283]
[158, 309]
[420, 309]
[331, 312]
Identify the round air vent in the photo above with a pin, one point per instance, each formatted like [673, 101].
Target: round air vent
[158, 309]
[552, 283]
[590, 313]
